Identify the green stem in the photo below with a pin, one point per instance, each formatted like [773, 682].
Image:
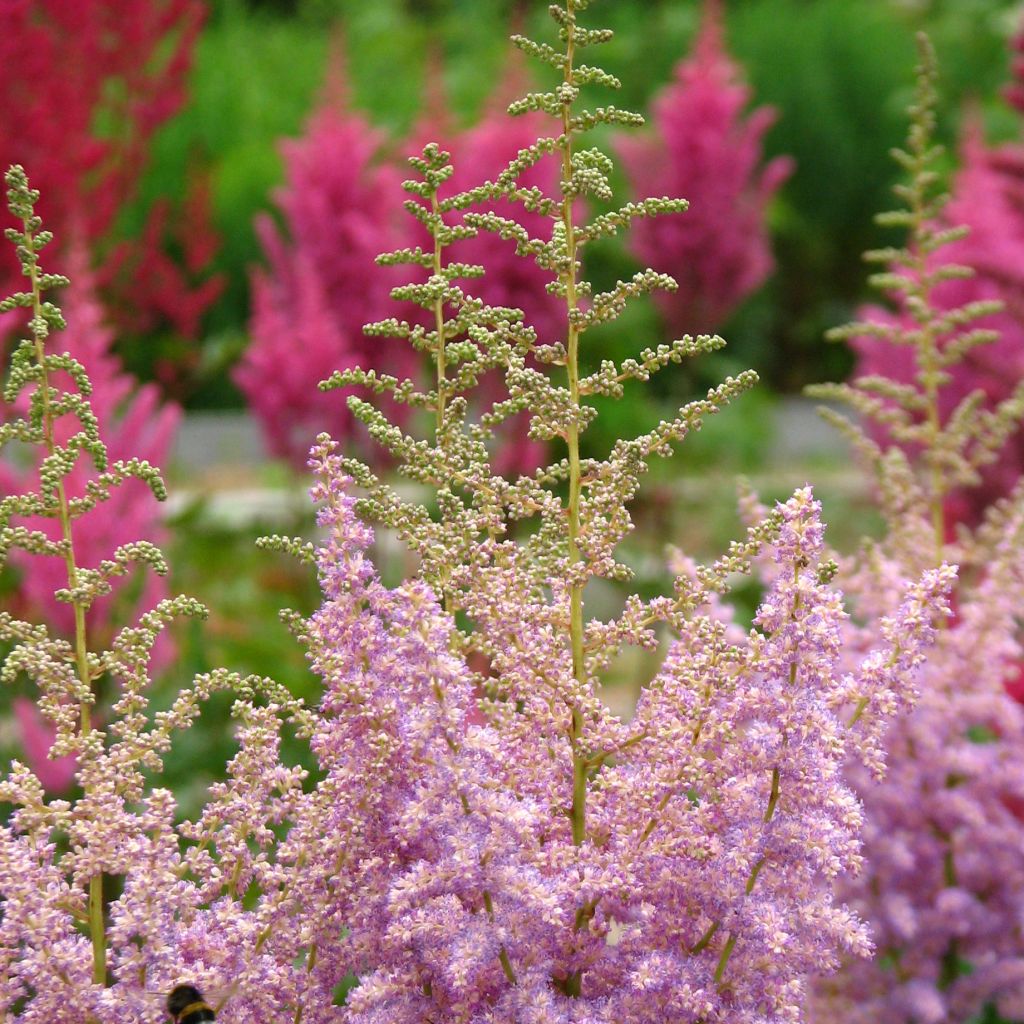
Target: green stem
[97, 929]
[438, 318]
[439, 357]
[928, 358]
[310, 964]
[578, 813]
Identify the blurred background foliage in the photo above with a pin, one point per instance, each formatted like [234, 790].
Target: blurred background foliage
[837, 72]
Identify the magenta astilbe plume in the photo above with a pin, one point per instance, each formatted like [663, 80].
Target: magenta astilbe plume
[705, 149]
[321, 285]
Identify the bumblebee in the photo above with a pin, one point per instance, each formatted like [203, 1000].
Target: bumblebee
[186, 1005]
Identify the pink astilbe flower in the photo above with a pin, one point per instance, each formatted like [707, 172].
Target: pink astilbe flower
[136, 423]
[705, 150]
[943, 886]
[182, 916]
[716, 818]
[321, 284]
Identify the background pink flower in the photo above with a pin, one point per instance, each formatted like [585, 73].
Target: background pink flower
[704, 149]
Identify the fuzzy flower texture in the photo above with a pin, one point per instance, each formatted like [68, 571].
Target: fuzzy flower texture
[717, 816]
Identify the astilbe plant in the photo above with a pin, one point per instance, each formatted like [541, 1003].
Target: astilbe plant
[988, 200]
[321, 285]
[943, 885]
[706, 148]
[498, 845]
[85, 87]
[107, 898]
[134, 422]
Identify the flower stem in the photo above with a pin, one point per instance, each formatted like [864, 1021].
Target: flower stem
[438, 316]
[97, 930]
[578, 814]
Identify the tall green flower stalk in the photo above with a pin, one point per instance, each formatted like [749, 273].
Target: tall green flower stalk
[933, 455]
[33, 365]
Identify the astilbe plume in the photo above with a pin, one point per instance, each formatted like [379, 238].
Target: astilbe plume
[85, 87]
[498, 845]
[134, 421]
[479, 153]
[320, 286]
[943, 885]
[988, 200]
[705, 148]
[107, 898]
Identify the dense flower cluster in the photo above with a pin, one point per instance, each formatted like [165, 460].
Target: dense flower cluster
[697, 889]
[704, 148]
[943, 887]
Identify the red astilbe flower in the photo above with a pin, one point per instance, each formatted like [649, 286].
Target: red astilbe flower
[149, 289]
[321, 284]
[136, 424]
[85, 87]
[706, 151]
